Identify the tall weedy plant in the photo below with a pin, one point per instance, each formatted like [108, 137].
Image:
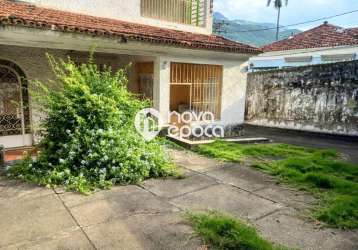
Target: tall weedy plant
[90, 141]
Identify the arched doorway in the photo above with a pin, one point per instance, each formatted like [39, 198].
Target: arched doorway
[14, 106]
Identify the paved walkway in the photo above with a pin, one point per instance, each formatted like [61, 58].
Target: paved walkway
[149, 216]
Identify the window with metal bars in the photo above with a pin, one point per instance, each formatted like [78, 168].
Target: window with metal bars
[14, 100]
[191, 12]
[196, 88]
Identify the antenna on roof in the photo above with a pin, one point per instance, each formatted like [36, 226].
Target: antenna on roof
[220, 27]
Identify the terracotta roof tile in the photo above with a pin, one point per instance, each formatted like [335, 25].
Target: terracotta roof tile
[22, 14]
[325, 35]
[353, 32]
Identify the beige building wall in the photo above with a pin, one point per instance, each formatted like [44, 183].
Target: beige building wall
[34, 63]
[127, 10]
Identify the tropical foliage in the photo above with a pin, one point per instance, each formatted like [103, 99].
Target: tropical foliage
[278, 4]
[89, 140]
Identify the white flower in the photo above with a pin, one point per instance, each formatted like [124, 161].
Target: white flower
[62, 161]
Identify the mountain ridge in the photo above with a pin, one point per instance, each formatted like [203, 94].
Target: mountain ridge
[237, 30]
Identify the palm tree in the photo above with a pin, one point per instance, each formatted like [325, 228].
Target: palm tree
[278, 4]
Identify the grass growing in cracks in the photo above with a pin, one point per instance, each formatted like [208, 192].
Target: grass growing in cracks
[221, 231]
[321, 172]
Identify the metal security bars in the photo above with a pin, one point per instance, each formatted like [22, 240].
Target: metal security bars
[191, 12]
[204, 83]
[14, 113]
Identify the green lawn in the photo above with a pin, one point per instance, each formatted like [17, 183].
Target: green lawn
[224, 232]
[321, 172]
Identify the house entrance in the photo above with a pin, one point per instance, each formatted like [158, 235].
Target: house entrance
[14, 107]
[195, 88]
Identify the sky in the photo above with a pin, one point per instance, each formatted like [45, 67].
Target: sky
[295, 12]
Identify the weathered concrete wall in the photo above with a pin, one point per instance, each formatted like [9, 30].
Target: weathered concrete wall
[320, 98]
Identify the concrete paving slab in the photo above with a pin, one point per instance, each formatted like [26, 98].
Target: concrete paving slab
[32, 219]
[13, 189]
[288, 196]
[72, 199]
[241, 176]
[192, 161]
[286, 228]
[175, 187]
[2, 180]
[148, 217]
[227, 199]
[124, 202]
[184, 172]
[144, 232]
[71, 239]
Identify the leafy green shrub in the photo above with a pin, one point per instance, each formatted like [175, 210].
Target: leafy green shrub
[89, 140]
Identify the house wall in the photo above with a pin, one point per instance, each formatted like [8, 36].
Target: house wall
[277, 59]
[33, 62]
[127, 10]
[320, 98]
[233, 87]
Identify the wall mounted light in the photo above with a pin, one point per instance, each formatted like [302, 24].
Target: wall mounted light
[164, 65]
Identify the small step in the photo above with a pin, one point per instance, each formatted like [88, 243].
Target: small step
[248, 140]
[191, 144]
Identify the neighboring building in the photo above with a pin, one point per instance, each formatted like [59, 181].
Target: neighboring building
[176, 61]
[324, 44]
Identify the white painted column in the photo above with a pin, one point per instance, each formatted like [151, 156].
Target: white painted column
[233, 93]
[161, 87]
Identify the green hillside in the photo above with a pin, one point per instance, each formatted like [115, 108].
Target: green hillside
[234, 30]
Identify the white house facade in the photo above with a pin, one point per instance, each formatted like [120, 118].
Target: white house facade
[176, 62]
[324, 44]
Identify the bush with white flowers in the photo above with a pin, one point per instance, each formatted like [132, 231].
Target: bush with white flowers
[90, 140]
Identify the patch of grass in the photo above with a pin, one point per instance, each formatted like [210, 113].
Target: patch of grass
[221, 231]
[230, 151]
[170, 144]
[321, 172]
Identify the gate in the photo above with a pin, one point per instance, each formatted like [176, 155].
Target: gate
[14, 107]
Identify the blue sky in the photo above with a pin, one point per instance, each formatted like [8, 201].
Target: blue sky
[296, 11]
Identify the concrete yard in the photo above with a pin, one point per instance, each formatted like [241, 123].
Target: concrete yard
[150, 215]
